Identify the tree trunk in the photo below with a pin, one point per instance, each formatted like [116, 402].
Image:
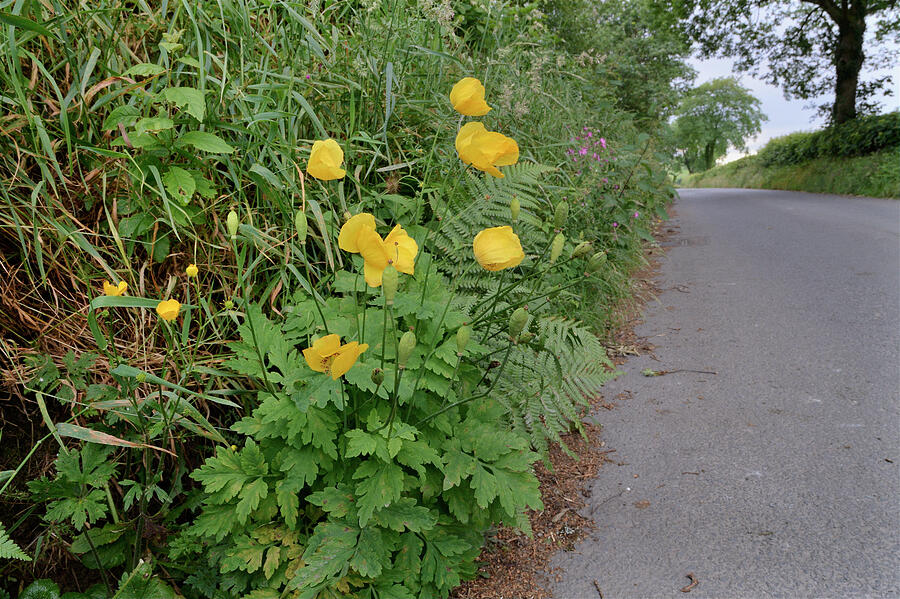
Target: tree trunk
[709, 155]
[848, 59]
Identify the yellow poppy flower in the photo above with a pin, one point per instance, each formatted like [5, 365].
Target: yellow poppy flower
[467, 97]
[114, 290]
[358, 236]
[485, 150]
[498, 248]
[398, 249]
[325, 160]
[168, 309]
[192, 270]
[351, 229]
[329, 356]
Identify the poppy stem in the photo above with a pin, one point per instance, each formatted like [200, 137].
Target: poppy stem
[493, 305]
[484, 315]
[362, 333]
[246, 297]
[437, 334]
[384, 335]
[552, 291]
[398, 372]
[315, 296]
[87, 535]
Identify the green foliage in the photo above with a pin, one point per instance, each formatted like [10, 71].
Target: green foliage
[139, 583]
[638, 46]
[41, 589]
[713, 116]
[207, 443]
[9, 549]
[874, 175]
[328, 492]
[809, 48]
[858, 137]
[76, 494]
[544, 393]
[484, 203]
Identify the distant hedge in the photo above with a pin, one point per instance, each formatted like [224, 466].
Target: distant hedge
[854, 138]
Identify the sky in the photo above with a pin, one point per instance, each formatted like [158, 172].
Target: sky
[785, 116]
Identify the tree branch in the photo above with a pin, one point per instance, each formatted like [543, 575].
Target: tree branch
[832, 9]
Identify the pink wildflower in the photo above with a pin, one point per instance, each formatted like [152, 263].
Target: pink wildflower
[603, 142]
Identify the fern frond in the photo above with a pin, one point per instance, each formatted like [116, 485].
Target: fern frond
[545, 385]
[9, 549]
[485, 203]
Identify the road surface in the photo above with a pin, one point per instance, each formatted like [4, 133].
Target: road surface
[777, 476]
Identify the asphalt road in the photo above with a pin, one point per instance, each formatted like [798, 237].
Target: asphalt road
[777, 476]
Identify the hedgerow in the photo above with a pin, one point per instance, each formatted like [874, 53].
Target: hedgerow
[858, 137]
[251, 387]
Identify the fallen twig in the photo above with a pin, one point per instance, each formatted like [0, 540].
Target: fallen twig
[690, 587]
[651, 372]
[597, 586]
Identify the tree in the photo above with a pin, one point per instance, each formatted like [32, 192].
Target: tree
[713, 116]
[638, 46]
[807, 47]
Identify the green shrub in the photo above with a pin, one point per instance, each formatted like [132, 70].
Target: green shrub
[874, 175]
[861, 136]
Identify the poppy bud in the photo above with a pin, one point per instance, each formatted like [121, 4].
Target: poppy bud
[346, 215]
[596, 261]
[462, 339]
[517, 322]
[377, 376]
[301, 225]
[514, 209]
[231, 223]
[234, 448]
[556, 247]
[405, 348]
[581, 249]
[389, 282]
[561, 216]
